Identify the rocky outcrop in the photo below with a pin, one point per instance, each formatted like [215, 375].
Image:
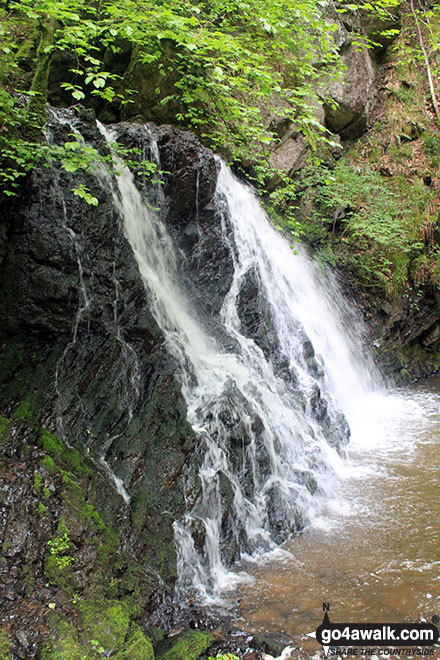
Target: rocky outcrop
[406, 335]
[82, 357]
[350, 100]
[346, 102]
[63, 563]
[353, 96]
[88, 355]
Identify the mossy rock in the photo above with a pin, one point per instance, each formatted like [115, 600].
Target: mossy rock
[71, 459]
[137, 646]
[65, 643]
[59, 575]
[4, 426]
[26, 411]
[188, 646]
[5, 646]
[106, 622]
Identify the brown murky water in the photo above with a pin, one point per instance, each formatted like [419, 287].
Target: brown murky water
[373, 551]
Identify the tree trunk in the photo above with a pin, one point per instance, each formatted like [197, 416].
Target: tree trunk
[36, 113]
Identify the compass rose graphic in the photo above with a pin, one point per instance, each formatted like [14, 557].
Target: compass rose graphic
[325, 622]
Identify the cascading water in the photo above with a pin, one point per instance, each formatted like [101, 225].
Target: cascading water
[267, 412]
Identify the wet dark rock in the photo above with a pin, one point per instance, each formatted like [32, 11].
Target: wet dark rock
[192, 184]
[273, 644]
[406, 335]
[256, 315]
[207, 265]
[283, 518]
[318, 405]
[81, 354]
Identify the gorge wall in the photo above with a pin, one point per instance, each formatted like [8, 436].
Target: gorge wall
[98, 458]
[82, 358]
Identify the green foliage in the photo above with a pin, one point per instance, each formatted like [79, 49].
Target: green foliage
[232, 64]
[369, 223]
[59, 548]
[84, 193]
[380, 8]
[95, 643]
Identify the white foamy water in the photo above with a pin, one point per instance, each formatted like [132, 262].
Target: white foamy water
[373, 551]
[267, 433]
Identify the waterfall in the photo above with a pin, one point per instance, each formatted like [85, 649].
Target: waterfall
[269, 384]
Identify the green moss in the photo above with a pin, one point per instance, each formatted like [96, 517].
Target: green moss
[52, 444]
[58, 561]
[64, 643]
[50, 465]
[37, 481]
[60, 576]
[137, 646]
[189, 646]
[71, 459]
[156, 634]
[106, 621]
[140, 509]
[26, 411]
[73, 496]
[46, 493]
[5, 646]
[42, 509]
[4, 426]
[104, 538]
[106, 631]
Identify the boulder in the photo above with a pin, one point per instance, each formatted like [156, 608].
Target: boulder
[354, 95]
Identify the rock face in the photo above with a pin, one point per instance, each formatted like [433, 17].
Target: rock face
[346, 103]
[59, 558]
[91, 396]
[87, 354]
[407, 335]
[82, 357]
[354, 94]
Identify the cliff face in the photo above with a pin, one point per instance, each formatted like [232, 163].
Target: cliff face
[98, 457]
[83, 362]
